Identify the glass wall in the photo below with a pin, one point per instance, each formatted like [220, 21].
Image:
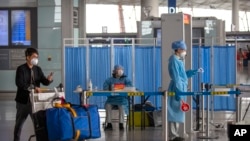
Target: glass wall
[108, 15]
[49, 38]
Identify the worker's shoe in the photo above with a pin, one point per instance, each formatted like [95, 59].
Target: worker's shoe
[108, 127]
[121, 126]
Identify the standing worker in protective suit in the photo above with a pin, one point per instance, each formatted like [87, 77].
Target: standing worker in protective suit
[117, 82]
[179, 83]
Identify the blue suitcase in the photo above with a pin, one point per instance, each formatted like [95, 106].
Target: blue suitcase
[73, 122]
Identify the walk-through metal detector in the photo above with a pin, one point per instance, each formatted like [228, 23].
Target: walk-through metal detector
[175, 27]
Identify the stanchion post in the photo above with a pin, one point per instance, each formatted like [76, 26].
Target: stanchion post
[238, 113]
[207, 133]
[202, 108]
[164, 116]
[208, 115]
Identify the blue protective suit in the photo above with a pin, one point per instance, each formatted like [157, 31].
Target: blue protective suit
[117, 100]
[179, 83]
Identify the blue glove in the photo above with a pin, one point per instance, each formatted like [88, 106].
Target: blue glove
[194, 72]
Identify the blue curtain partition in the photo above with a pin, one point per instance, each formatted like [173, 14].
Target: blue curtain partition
[147, 62]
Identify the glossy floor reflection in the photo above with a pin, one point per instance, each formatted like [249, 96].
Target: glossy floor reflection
[7, 117]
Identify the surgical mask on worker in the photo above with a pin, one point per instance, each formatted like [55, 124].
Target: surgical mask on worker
[120, 72]
[34, 61]
[183, 54]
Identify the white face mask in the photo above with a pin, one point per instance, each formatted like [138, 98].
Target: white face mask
[120, 72]
[183, 54]
[34, 61]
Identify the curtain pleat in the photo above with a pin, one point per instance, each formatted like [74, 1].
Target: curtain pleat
[223, 72]
[99, 71]
[75, 62]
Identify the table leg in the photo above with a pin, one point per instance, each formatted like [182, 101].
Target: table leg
[142, 112]
[133, 116]
[129, 111]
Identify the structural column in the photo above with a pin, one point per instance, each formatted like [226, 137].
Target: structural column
[149, 8]
[67, 26]
[67, 19]
[82, 18]
[235, 15]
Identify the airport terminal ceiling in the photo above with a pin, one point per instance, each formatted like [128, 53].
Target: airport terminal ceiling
[211, 4]
[205, 4]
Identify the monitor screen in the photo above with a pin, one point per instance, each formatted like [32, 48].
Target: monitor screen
[4, 28]
[21, 27]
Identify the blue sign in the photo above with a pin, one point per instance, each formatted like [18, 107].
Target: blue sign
[171, 6]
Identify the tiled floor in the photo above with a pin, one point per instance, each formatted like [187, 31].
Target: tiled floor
[7, 117]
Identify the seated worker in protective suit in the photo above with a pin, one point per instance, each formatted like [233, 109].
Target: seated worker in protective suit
[179, 83]
[117, 81]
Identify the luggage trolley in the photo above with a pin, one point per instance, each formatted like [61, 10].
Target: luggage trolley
[40, 102]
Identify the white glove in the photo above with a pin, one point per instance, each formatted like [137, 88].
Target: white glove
[201, 70]
[78, 89]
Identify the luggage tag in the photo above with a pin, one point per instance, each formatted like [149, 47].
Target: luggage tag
[185, 106]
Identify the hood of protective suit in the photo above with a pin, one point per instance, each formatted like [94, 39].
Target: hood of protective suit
[179, 45]
[116, 67]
